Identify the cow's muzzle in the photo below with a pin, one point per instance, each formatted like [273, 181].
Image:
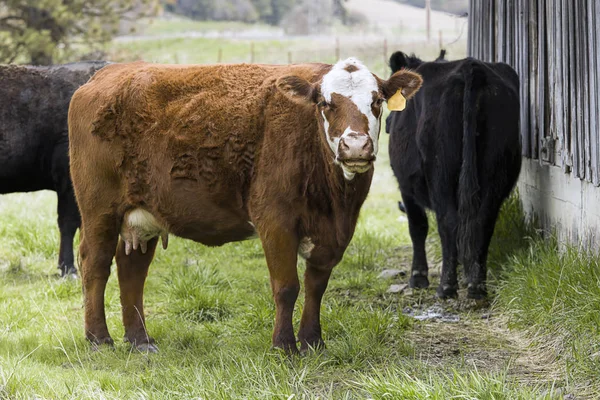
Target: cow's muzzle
[355, 152]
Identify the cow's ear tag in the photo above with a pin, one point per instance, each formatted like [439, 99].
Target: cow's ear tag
[397, 102]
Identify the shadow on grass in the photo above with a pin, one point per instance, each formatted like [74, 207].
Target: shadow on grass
[16, 271]
[513, 234]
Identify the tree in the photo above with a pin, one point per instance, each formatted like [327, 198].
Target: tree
[37, 31]
[217, 10]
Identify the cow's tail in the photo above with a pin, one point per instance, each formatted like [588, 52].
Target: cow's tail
[469, 197]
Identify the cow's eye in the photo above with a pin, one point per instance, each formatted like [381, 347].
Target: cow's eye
[379, 101]
[325, 104]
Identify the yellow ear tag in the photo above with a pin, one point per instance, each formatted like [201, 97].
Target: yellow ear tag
[397, 102]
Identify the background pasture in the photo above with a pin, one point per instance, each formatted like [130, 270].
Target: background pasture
[211, 311]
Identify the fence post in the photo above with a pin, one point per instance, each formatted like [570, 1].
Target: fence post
[220, 56]
[428, 18]
[252, 52]
[441, 40]
[289, 57]
[337, 49]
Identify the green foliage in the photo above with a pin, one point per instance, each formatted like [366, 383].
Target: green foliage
[273, 13]
[41, 31]
[269, 11]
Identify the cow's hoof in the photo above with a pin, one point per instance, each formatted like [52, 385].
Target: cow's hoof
[308, 345]
[68, 272]
[98, 344]
[147, 348]
[447, 292]
[419, 282]
[287, 348]
[477, 292]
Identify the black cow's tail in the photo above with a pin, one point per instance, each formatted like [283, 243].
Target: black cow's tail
[469, 197]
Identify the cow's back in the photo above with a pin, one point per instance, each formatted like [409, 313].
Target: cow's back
[179, 138]
[427, 138]
[33, 118]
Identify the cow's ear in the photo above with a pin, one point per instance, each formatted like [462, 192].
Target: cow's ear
[407, 82]
[297, 89]
[398, 60]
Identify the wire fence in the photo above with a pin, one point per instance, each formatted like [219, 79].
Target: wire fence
[373, 52]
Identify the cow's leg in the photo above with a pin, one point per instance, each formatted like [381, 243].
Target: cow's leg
[68, 212]
[68, 223]
[476, 268]
[315, 283]
[281, 251]
[132, 270]
[447, 226]
[97, 248]
[418, 228]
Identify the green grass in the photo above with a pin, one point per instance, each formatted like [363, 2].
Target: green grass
[554, 293]
[211, 312]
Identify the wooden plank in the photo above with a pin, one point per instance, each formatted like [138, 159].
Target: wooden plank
[529, 73]
[583, 79]
[483, 22]
[508, 36]
[500, 29]
[572, 68]
[576, 71]
[492, 32]
[550, 98]
[474, 28]
[470, 28]
[594, 15]
[557, 112]
[568, 145]
[540, 98]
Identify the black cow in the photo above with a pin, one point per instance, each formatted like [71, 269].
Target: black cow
[456, 150]
[34, 154]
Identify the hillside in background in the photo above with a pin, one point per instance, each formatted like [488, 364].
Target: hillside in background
[300, 16]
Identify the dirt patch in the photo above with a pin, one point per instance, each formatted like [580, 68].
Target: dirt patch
[462, 333]
[479, 339]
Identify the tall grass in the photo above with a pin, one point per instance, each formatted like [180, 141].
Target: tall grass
[554, 292]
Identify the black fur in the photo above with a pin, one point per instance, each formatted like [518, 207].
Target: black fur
[456, 150]
[34, 155]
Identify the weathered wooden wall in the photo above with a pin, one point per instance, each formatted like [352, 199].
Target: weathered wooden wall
[554, 45]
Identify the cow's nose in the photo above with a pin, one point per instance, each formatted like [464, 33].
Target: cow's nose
[355, 147]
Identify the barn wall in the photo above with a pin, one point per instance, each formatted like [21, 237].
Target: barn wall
[554, 45]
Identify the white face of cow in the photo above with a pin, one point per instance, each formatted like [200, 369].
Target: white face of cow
[349, 104]
[350, 84]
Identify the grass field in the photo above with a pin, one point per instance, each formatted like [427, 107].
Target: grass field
[211, 312]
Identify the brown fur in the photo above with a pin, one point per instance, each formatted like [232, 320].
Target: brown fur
[205, 150]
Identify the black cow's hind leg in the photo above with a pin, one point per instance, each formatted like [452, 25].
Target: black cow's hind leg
[476, 268]
[418, 228]
[69, 219]
[68, 223]
[447, 225]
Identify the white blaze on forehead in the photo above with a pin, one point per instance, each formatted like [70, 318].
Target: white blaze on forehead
[358, 86]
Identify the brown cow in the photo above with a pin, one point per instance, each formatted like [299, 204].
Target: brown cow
[218, 154]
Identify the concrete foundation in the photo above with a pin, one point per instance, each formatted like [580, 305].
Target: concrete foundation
[564, 205]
